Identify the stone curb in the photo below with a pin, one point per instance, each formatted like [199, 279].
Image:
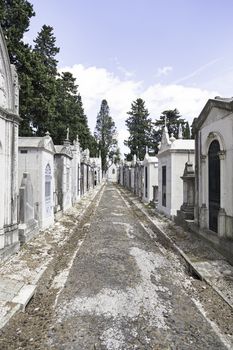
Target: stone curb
[20, 301]
[191, 267]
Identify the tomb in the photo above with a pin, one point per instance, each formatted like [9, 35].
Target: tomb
[63, 175]
[28, 225]
[96, 166]
[9, 123]
[112, 173]
[150, 192]
[172, 156]
[86, 177]
[214, 172]
[76, 170]
[36, 157]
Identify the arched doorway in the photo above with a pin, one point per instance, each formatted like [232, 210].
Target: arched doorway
[214, 184]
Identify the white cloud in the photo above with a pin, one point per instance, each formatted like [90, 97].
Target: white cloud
[163, 71]
[188, 100]
[96, 84]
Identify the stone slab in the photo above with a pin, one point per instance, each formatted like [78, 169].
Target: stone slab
[25, 295]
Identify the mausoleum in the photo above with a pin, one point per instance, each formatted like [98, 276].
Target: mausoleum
[113, 173]
[150, 192]
[172, 156]
[214, 171]
[36, 157]
[9, 122]
[62, 176]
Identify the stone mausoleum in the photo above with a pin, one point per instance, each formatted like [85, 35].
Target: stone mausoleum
[150, 192]
[36, 157]
[214, 171]
[172, 157]
[9, 122]
[63, 176]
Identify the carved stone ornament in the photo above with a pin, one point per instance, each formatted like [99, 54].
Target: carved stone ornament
[203, 158]
[222, 155]
[211, 135]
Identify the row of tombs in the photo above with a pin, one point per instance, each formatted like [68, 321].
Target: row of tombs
[191, 181]
[39, 180]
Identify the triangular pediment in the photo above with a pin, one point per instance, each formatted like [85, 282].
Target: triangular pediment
[213, 110]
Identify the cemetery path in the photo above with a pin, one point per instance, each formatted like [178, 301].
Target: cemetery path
[127, 291]
[122, 288]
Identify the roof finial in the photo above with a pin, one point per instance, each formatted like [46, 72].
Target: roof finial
[47, 133]
[165, 121]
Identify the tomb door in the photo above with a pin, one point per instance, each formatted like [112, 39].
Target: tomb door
[214, 184]
[146, 182]
[164, 186]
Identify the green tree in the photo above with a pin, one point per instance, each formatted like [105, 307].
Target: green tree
[173, 121]
[105, 134]
[15, 18]
[70, 113]
[45, 47]
[139, 126]
[44, 82]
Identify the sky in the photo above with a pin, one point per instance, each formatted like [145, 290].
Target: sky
[171, 53]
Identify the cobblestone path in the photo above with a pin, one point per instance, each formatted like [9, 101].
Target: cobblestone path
[126, 291]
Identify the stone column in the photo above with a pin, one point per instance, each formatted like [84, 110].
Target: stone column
[204, 191]
[222, 212]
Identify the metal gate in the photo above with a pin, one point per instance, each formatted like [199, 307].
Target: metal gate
[214, 185]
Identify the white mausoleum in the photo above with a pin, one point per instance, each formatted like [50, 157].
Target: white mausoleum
[76, 170]
[63, 176]
[113, 173]
[214, 169]
[172, 156]
[9, 121]
[36, 157]
[150, 178]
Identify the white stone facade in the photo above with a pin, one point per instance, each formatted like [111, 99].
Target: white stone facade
[96, 166]
[9, 121]
[76, 171]
[150, 178]
[172, 156]
[214, 167]
[113, 173]
[63, 176]
[36, 157]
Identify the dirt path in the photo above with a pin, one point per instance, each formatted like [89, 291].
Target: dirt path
[117, 286]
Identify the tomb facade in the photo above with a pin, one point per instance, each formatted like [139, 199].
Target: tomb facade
[214, 171]
[172, 156]
[36, 157]
[9, 124]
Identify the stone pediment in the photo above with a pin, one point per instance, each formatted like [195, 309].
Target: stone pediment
[9, 88]
[45, 143]
[220, 105]
[48, 145]
[64, 150]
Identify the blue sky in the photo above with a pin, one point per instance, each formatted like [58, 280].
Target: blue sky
[172, 53]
